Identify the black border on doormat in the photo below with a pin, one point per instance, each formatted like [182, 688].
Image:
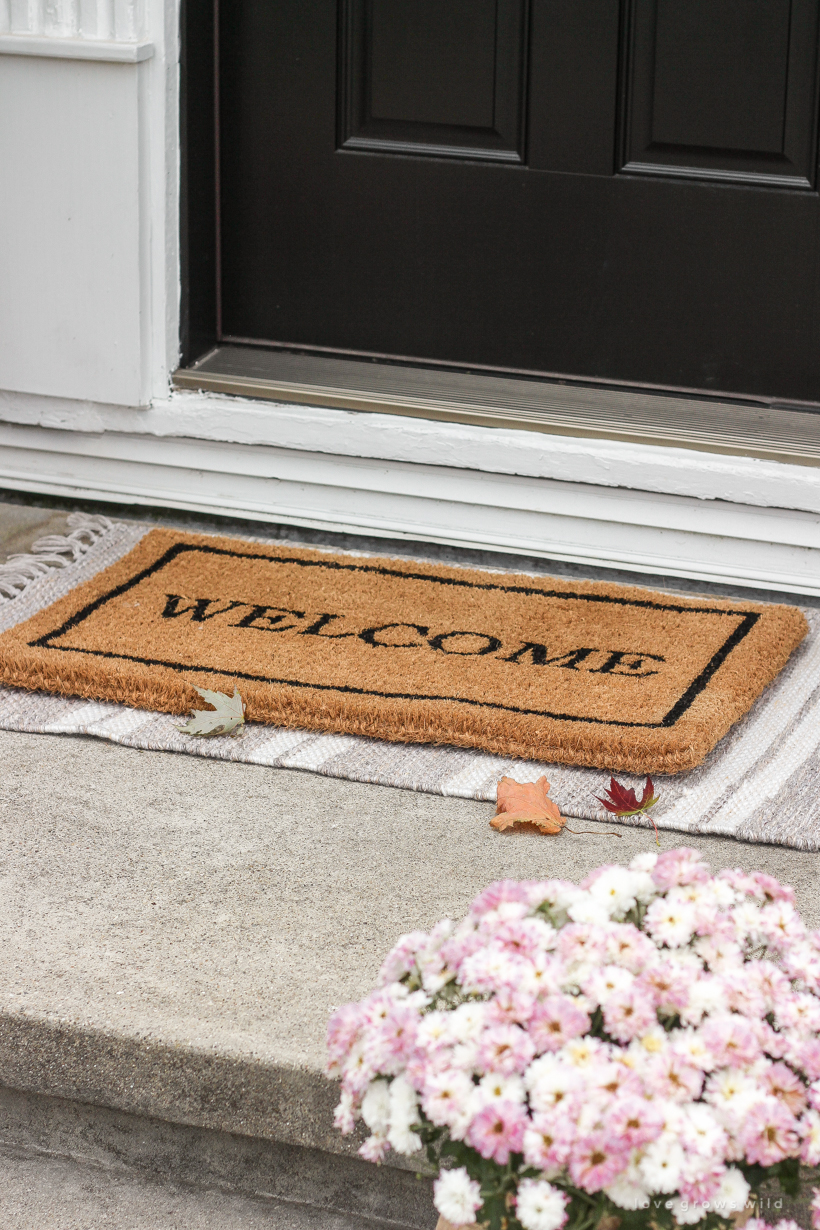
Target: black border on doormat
[748, 620]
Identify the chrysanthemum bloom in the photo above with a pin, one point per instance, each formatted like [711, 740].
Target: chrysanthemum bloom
[732, 1194]
[615, 1080]
[376, 1107]
[596, 1159]
[551, 1083]
[547, 1141]
[701, 1134]
[403, 1117]
[492, 969]
[810, 1151]
[497, 1131]
[525, 937]
[496, 1087]
[669, 922]
[341, 1034]
[628, 1014]
[815, 1208]
[581, 943]
[448, 1100]
[784, 1084]
[623, 1110]
[607, 981]
[505, 1048]
[771, 889]
[668, 984]
[704, 1188]
[401, 959]
[456, 1196]
[615, 888]
[397, 1035]
[781, 924]
[519, 892]
[681, 866]
[674, 1079]
[689, 1045]
[732, 1094]
[540, 1206]
[627, 1191]
[555, 1021]
[732, 1041]
[629, 947]
[344, 1117]
[662, 1164]
[808, 1057]
[768, 1133]
[635, 1121]
[360, 1066]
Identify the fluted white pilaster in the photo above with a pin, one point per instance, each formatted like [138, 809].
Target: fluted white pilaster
[26, 16]
[120, 21]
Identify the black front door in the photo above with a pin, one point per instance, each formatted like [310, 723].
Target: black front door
[620, 191]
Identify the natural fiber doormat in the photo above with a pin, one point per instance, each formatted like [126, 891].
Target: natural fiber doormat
[582, 673]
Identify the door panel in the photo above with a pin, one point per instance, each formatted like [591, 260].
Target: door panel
[434, 77]
[724, 89]
[402, 222]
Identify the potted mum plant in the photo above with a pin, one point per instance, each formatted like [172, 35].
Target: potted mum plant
[641, 1050]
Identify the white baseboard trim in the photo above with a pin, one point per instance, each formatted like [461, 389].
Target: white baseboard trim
[749, 481]
[641, 531]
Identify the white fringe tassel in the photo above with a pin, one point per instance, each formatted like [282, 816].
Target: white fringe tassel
[53, 551]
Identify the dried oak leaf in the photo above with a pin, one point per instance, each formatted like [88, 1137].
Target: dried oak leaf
[526, 803]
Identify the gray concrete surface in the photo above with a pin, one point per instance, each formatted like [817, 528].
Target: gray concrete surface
[50, 1193]
[175, 932]
[224, 909]
[34, 1125]
[21, 524]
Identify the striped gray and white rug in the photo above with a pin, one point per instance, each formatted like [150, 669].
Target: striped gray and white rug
[759, 784]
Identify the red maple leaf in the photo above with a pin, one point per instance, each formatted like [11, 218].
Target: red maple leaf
[623, 802]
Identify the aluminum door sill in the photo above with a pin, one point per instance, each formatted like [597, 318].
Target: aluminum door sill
[744, 427]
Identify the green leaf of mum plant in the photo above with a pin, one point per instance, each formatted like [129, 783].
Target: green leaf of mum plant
[226, 718]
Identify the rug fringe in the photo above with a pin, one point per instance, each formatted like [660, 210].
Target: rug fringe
[52, 551]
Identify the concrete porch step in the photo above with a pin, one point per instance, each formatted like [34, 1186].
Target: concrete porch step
[174, 934]
[68, 1164]
[39, 1192]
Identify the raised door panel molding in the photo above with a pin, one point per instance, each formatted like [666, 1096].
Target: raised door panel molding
[719, 89]
[442, 77]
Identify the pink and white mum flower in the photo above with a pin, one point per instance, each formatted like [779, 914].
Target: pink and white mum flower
[635, 1039]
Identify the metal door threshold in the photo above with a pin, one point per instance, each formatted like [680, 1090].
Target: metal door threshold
[744, 427]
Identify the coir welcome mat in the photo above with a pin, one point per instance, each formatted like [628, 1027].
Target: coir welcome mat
[579, 673]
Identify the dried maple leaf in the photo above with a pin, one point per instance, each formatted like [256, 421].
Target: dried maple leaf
[526, 803]
[227, 717]
[623, 802]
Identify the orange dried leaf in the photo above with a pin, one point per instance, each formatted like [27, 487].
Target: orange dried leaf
[526, 803]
